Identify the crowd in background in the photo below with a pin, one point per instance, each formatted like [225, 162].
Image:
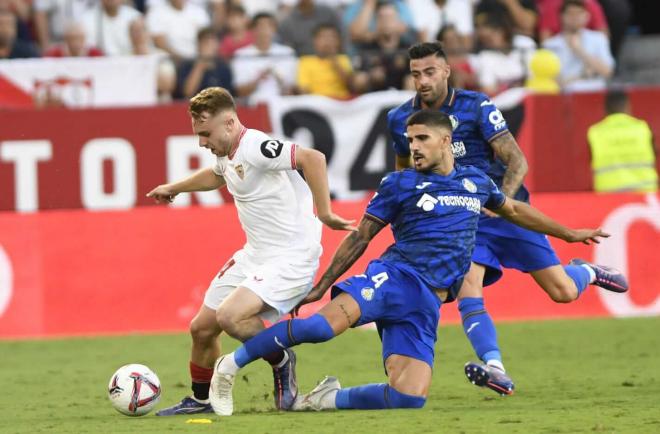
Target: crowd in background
[337, 48]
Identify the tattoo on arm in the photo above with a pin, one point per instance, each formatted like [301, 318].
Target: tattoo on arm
[350, 250]
[506, 148]
[346, 314]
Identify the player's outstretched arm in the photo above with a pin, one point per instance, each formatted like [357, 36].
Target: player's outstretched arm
[202, 180]
[529, 217]
[312, 163]
[506, 148]
[350, 249]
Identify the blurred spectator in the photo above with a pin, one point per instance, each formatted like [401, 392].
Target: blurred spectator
[74, 45]
[254, 7]
[550, 17]
[328, 72]
[622, 150]
[22, 10]
[108, 27]
[462, 74]
[207, 70]
[142, 44]
[501, 16]
[238, 32]
[385, 60]
[50, 17]
[337, 5]
[499, 65]
[432, 15]
[174, 26]
[618, 14]
[10, 47]
[359, 19]
[297, 27]
[215, 9]
[264, 69]
[523, 13]
[586, 61]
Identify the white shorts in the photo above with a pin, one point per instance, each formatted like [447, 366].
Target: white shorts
[280, 282]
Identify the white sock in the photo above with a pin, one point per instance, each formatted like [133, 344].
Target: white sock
[592, 273]
[228, 365]
[328, 400]
[201, 401]
[496, 364]
[283, 362]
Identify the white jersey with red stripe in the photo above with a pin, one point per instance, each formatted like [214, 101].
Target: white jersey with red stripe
[274, 203]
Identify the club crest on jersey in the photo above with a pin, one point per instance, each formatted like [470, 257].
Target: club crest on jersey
[469, 185]
[367, 293]
[271, 148]
[239, 170]
[454, 122]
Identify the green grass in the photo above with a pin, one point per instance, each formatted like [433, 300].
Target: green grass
[571, 376]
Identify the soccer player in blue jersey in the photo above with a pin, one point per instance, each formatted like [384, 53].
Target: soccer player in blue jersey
[482, 139]
[433, 211]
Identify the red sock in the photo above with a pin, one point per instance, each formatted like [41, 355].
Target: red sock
[201, 380]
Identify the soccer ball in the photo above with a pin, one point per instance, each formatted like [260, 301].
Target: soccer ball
[134, 390]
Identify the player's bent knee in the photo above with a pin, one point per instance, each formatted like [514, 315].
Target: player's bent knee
[227, 321]
[201, 333]
[397, 399]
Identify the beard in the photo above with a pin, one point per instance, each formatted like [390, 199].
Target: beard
[430, 99]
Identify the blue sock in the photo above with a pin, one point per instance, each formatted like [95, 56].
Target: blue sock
[580, 276]
[479, 328]
[284, 334]
[376, 396]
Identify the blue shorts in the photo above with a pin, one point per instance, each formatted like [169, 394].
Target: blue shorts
[500, 243]
[405, 310]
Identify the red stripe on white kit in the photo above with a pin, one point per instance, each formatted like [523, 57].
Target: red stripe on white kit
[293, 156]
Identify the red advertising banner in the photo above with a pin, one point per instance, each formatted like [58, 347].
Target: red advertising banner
[146, 270]
[98, 159]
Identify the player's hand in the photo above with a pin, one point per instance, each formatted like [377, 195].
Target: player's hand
[489, 213]
[587, 236]
[162, 194]
[336, 222]
[314, 295]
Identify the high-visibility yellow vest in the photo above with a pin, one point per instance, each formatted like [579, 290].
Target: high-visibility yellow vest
[622, 156]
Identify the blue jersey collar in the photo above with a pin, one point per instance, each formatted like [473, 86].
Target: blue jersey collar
[448, 102]
[450, 175]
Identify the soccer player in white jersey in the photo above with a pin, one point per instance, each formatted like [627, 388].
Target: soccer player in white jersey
[275, 269]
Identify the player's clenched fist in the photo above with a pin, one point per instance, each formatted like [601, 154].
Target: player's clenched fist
[163, 194]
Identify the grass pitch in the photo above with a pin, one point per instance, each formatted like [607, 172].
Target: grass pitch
[571, 376]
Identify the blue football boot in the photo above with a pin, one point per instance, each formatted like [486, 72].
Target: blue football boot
[286, 387]
[186, 406]
[495, 379]
[606, 277]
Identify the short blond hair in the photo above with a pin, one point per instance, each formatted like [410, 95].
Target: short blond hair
[211, 100]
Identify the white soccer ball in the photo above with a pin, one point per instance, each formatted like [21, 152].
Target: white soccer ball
[134, 390]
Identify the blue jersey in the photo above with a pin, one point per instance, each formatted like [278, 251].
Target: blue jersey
[434, 220]
[476, 122]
